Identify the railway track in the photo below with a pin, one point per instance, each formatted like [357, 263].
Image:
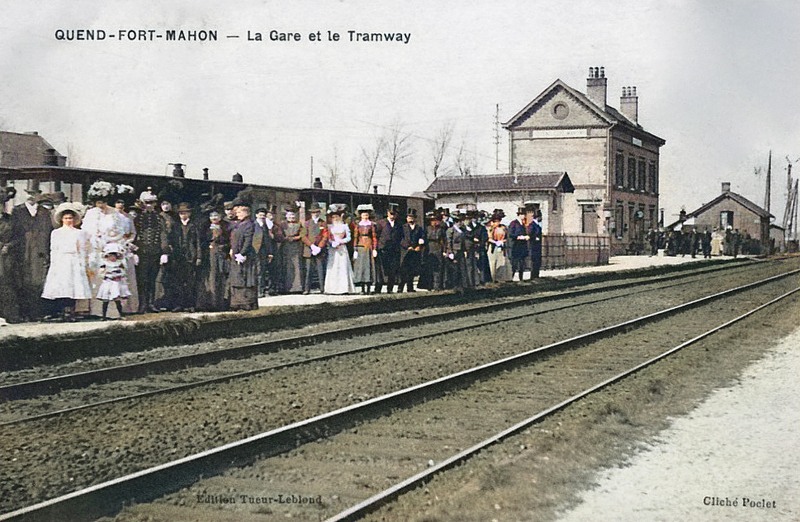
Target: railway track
[149, 483]
[39, 387]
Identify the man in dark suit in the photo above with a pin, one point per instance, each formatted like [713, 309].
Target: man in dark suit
[315, 242]
[518, 233]
[411, 247]
[265, 246]
[390, 233]
[534, 232]
[29, 251]
[458, 245]
[186, 258]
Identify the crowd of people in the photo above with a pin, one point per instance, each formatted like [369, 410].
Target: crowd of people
[707, 243]
[63, 261]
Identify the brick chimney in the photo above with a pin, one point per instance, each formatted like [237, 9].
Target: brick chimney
[597, 86]
[629, 104]
[726, 186]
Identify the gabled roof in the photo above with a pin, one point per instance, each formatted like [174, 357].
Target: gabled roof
[608, 114]
[24, 149]
[738, 198]
[743, 201]
[501, 183]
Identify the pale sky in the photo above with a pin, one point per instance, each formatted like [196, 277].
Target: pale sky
[718, 80]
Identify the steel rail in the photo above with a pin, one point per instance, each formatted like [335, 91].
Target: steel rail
[34, 388]
[98, 500]
[320, 358]
[382, 498]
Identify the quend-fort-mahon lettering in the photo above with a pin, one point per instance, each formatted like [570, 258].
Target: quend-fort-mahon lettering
[138, 35]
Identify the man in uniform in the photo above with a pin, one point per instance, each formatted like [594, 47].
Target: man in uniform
[411, 247]
[315, 242]
[150, 228]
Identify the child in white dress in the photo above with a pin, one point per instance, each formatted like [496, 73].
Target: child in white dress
[114, 286]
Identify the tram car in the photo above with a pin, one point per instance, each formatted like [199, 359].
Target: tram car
[64, 183]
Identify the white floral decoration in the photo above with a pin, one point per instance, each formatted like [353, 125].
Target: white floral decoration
[124, 189]
[101, 189]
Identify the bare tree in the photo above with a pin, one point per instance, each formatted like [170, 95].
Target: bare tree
[465, 162]
[73, 155]
[399, 144]
[438, 149]
[333, 169]
[370, 158]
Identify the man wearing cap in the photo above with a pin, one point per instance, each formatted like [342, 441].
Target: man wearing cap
[315, 242]
[29, 251]
[186, 258]
[149, 242]
[390, 233]
[411, 246]
[517, 231]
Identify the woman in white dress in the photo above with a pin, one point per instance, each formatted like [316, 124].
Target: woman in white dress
[66, 278]
[339, 273]
[103, 225]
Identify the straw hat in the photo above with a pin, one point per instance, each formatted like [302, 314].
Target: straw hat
[77, 208]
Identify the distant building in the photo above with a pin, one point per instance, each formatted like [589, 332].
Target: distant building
[612, 160]
[733, 210]
[27, 150]
[507, 192]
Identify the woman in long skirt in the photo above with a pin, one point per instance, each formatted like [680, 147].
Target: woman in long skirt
[244, 263]
[215, 265]
[292, 254]
[339, 273]
[66, 278]
[365, 249]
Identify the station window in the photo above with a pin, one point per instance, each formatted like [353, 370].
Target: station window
[726, 219]
[632, 173]
[619, 170]
[653, 175]
[642, 185]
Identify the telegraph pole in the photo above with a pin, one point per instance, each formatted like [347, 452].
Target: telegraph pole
[767, 197]
[497, 138]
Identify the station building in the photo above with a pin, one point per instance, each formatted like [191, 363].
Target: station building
[612, 161]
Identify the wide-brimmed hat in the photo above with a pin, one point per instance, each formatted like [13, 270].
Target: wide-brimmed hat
[365, 207]
[73, 207]
[184, 207]
[337, 208]
[112, 248]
